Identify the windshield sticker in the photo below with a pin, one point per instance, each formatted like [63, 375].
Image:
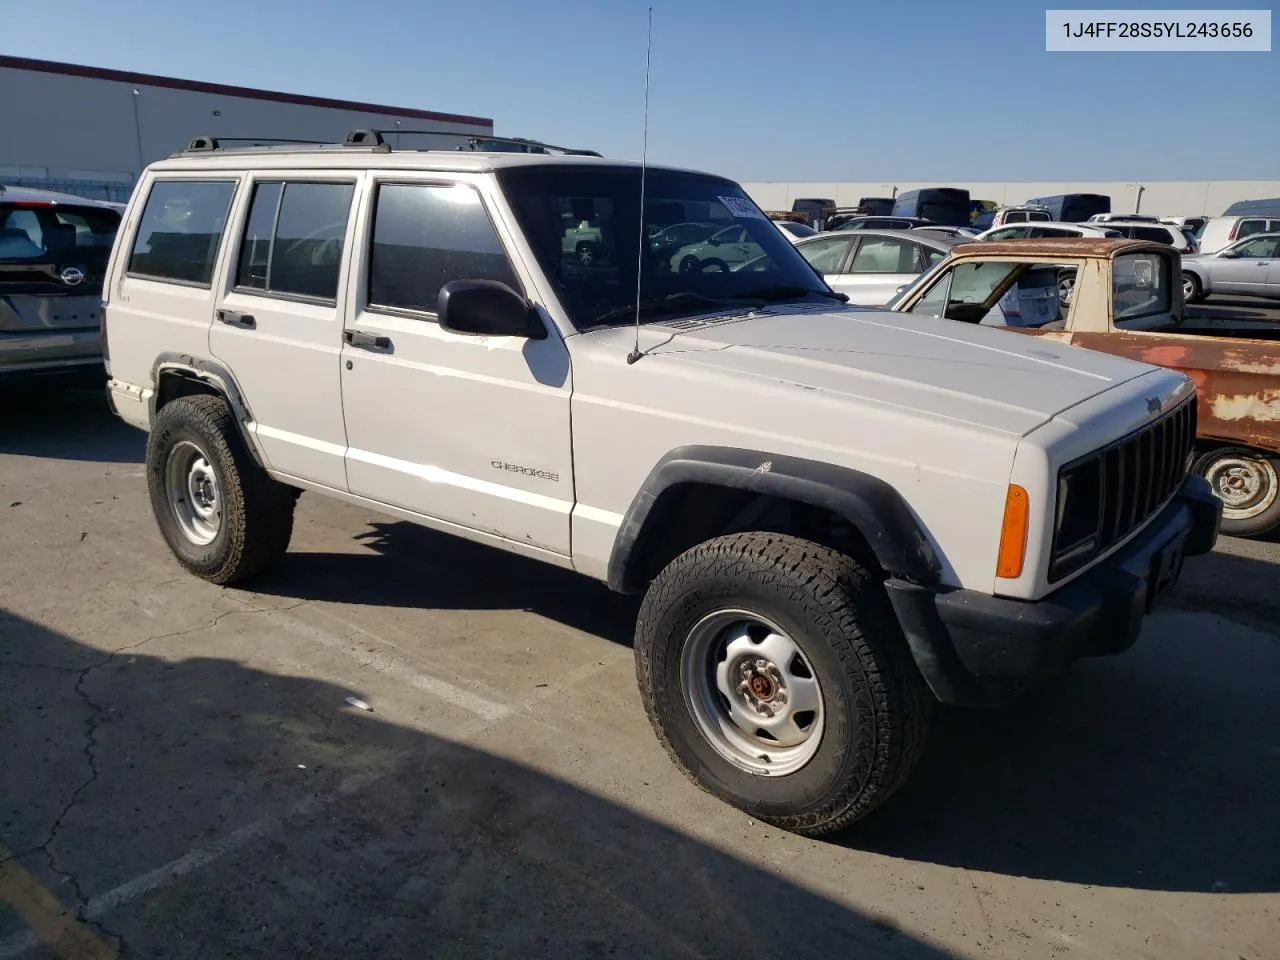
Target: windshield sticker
[740, 208]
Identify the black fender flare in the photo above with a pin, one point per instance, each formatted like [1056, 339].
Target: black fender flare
[870, 505]
[215, 375]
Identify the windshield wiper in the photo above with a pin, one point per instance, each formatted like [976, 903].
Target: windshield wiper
[790, 292]
[674, 300]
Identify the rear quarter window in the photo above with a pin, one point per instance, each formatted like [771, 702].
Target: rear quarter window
[180, 231]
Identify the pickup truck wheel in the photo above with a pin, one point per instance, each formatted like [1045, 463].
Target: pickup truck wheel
[775, 675]
[222, 516]
[1248, 484]
[1192, 290]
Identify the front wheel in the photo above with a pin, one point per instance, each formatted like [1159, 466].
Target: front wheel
[1248, 484]
[775, 674]
[1192, 289]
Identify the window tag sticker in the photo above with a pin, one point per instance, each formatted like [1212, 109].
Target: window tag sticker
[740, 208]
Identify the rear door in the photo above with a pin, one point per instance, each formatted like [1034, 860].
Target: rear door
[278, 320]
[53, 257]
[827, 254]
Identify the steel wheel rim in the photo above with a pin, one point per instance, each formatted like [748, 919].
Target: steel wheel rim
[193, 493]
[752, 692]
[1246, 485]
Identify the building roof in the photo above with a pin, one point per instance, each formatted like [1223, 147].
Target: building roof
[221, 89]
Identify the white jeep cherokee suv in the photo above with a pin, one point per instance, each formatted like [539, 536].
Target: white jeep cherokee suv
[837, 516]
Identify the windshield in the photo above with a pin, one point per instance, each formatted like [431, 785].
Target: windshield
[704, 240]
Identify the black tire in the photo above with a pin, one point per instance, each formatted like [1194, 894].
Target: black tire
[1257, 516]
[690, 263]
[876, 706]
[713, 263]
[255, 512]
[1192, 288]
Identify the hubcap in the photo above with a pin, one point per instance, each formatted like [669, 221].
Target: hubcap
[1246, 485]
[1188, 288]
[752, 692]
[192, 490]
[1065, 286]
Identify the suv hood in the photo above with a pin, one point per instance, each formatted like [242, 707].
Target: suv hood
[990, 378]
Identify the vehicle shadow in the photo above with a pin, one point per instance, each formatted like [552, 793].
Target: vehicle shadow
[313, 829]
[66, 422]
[1232, 308]
[1157, 769]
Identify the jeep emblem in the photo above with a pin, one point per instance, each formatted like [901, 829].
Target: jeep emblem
[1154, 405]
[72, 276]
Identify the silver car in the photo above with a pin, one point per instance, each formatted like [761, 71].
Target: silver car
[53, 253]
[1250, 266]
[870, 265]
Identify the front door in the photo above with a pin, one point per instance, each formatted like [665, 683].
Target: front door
[467, 430]
[1253, 270]
[278, 323]
[878, 267]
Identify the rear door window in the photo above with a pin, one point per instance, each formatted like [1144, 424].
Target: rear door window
[1249, 227]
[885, 255]
[181, 228]
[294, 239]
[826, 254]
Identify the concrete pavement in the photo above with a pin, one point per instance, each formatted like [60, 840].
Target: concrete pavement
[184, 777]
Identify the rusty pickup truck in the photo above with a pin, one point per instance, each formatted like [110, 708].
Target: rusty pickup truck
[1125, 297]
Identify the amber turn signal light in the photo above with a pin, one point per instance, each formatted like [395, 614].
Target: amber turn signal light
[1013, 533]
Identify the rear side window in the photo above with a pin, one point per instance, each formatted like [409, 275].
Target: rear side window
[427, 235]
[1157, 234]
[294, 238]
[825, 255]
[1249, 227]
[886, 255]
[181, 228]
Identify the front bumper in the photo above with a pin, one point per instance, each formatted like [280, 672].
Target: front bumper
[974, 649]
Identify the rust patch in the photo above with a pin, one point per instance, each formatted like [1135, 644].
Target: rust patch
[1165, 356]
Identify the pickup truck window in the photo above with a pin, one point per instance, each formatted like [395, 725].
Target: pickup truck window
[597, 276]
[965, 292]
[424, 236]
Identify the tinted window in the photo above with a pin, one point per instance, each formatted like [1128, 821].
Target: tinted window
[425, 236]
[1251, 226]
[885, 255]
[294, 237]
[57, 233]
[1158, 234]
[306, 253]
[1012, 233]
[255, 250]
[181, 228]
[825, 255]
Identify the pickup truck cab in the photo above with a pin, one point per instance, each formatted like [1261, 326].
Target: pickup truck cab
[837, 517]
[1128, 300]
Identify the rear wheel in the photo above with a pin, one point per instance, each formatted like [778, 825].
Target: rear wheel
[774, 672]
[1248, 484]
[222, 516]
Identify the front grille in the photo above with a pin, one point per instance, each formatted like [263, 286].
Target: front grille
[1104, 497]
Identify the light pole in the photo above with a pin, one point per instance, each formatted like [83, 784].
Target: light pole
[137, 130]
[1138, 190]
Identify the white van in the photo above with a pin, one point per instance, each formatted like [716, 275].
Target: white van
[1221, 231]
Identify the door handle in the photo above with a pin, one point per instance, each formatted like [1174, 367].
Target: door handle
[367, 341]
[233, 318]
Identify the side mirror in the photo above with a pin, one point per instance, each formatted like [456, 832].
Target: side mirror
[487, 308]
[1229, 254]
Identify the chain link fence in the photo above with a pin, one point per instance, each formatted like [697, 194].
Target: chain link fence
[114, 190]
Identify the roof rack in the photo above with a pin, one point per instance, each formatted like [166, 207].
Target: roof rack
[374, 141]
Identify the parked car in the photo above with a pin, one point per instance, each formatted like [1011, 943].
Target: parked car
[1018, 214]
[870, 265]
[1128, 303]
[1180, 238]
[955, 233]
[1221, 231]
[1194, 224]
[1250, 266]
[53, 254]
[726, 248]
[795, 231]
[884, 223]
[834, 520]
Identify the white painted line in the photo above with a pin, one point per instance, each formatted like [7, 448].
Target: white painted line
[435, 687]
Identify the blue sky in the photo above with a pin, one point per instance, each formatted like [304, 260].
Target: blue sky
[806, 90]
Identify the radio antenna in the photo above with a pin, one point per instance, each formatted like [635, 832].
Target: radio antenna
[635, 353]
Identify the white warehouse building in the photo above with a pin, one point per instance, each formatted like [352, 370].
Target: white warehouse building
[90, 131]
[1164, 198]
